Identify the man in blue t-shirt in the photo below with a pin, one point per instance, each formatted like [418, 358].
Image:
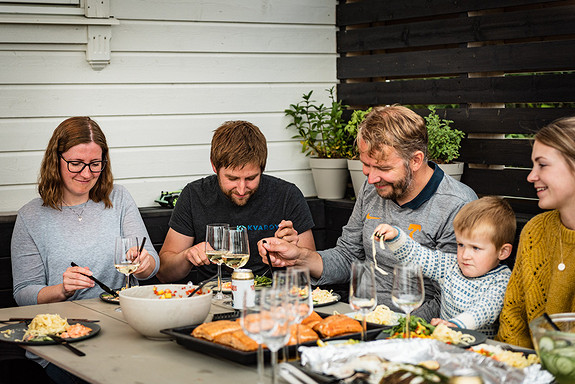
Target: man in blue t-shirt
[238, 194]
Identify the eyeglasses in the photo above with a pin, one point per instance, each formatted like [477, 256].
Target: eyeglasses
[78, 166]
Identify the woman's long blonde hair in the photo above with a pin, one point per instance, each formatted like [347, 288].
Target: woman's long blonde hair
[560, 135]
[71, 132]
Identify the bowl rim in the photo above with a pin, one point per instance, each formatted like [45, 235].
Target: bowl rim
[195, 297]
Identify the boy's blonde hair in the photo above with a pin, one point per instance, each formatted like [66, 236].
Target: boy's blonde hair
[491, 211]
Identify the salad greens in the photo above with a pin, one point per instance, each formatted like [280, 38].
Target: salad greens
[417, 325]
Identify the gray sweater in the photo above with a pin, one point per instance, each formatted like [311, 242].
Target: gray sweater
[46, 240]
[428, 219]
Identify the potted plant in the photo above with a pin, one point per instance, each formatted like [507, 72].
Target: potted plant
[353, 164]
[321, 131]
[444, 143]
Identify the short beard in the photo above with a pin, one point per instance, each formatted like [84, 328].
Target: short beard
[239, 203]
[401, 188]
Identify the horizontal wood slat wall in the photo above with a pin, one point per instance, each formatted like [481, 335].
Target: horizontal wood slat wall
[491, 61]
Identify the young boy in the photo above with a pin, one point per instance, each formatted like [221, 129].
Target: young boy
[472, 282]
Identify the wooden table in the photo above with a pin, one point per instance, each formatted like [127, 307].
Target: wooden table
[119, 354]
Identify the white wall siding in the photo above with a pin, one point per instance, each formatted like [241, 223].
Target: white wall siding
[177, 71]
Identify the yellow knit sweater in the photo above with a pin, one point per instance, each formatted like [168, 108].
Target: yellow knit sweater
[536, 285]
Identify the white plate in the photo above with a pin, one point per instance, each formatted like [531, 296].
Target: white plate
[395, 318]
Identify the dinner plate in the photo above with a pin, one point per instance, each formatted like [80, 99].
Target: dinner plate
[394, 320]
[337, 298]
[479, 337]
[16, 332]
[108, 298]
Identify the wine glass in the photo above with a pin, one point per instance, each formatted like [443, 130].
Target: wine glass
[274, 324]
[408, 290]
[362, 290]
[284, 281]
[300, 293]
[239, 248]
[251, 325]
[217, 244]
[127, 256]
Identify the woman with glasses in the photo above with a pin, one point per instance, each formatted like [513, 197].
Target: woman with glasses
[77, 218]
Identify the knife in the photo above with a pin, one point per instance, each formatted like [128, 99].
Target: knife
[21, 319]
[102, 285]
[64, 342]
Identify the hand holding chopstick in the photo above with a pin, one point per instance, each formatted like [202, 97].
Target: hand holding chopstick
[102, 285]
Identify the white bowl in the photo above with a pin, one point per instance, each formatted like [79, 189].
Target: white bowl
[148, 314]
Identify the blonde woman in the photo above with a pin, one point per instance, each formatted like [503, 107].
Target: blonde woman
[543, 278]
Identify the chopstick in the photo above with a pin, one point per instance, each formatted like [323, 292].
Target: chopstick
[64, 342]
[269, 259]
[102, 285]
[21, 319]
[142, 246]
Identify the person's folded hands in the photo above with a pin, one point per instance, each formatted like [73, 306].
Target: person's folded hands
[287, 232]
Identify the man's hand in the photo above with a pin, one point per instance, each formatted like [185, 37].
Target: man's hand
[282, 253]
[197, 254]
[287, 232]
[147, 265]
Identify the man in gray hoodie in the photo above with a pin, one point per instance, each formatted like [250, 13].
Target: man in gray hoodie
[403, 189]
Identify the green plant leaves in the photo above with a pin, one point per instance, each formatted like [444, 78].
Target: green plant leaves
[444, 142]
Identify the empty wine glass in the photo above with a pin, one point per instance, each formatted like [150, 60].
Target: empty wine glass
[362, 290]
[408, 290]
[274, 323]
[217, 244]
[251, 325]
[127, 256]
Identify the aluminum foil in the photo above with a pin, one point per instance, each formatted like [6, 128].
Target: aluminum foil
[340, 361]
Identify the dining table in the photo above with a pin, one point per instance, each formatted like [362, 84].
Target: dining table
[119, 354]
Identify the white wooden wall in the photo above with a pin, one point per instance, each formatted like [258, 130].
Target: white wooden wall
[178, 69]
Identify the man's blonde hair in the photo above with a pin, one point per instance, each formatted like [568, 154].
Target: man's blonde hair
[397, 127]
[492, 212]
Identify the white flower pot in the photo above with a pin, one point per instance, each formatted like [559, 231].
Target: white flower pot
[357, 177]
[330, 177]
[454, 170]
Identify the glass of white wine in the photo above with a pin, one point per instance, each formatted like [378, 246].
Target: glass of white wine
[362, 290]
[217, 245]
[408, 291]
[239, 252]
[127, 256]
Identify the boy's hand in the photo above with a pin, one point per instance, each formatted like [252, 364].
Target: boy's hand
[385, 232]
[437, 321]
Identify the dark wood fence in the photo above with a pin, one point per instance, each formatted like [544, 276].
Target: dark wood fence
[493, 59]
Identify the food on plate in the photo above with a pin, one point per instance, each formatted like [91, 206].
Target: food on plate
[381, 315]
[513, 359]
[209, 331]
[52, 324]
[370, 368]
[262, 281]
[175, 294]
[306, 334]
[227, 286]
[312, 319]
[75, 330]
[323, 296]
[419, 328]
[238, 340]
[336, 325]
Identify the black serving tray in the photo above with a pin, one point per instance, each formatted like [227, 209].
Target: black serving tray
[183, 336]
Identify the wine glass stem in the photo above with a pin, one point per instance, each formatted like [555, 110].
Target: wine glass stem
[297, 342]
[363, 327]
[219, 294]
[127, 281]
[274, 358]
[260, 364]
[407, 321]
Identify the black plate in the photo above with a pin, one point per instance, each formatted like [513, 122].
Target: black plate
[105, 296]
[19, 329]
[183, 336]
[479, 337]
[337, 298]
